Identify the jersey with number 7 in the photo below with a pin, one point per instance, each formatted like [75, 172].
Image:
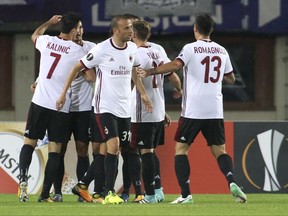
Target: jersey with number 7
[57, 59]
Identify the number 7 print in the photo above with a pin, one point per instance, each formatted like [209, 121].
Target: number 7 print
[53, 66]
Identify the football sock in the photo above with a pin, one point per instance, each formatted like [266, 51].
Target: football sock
[89, 176]
[59, 176]
[125, 173]
[50, 173]
[182, 170]
[99, 180]
[148, 172]
[110, 167]
[116, 172]
[157, 177]
[134, 167]
[82, 166]
[25, 159]
[226, 166]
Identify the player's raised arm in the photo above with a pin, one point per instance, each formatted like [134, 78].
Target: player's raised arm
[41, 29]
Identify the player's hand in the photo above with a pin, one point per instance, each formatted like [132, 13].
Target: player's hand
[142, 73]
[147, 103]
[55, 19]
[33, 87]
[177, 93]
[60, 102]
[167, 120]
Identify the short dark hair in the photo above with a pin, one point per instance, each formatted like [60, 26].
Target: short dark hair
[204, 23]
[69, 21]
[142, 29]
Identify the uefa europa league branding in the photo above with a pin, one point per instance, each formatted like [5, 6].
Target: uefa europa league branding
[267, 149]
[11, 142]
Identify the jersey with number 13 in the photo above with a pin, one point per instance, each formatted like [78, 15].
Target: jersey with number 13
[205, 64]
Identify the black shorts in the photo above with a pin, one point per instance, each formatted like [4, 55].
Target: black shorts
[212, 130]
[79, 125]
[147, 135]
[109, 126]
[41, 119]
[162, 135]
[94, 131]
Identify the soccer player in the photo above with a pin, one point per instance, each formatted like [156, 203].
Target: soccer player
[58, 53]
[137, 163]
[115, 63]
[80, 109]
[131, 167]
[147, 128]
[205, 65]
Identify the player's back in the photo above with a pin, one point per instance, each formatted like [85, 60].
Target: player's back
[206, 62]
[208, 57]
[57, 59]
[150, 56]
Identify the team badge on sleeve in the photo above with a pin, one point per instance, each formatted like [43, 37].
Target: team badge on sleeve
[89, 57]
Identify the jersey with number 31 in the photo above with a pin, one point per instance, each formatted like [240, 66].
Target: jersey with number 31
[205, 64]
[57, 59]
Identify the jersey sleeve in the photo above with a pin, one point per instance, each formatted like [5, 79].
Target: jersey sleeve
[136, 60]
[41, 42]
[164, 55]
[165, 59]
[93, 58]
[228, 65]
[87, 45]
[133, 53]
[184, 55]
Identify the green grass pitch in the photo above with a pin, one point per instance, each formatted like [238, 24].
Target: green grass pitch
[204, 204]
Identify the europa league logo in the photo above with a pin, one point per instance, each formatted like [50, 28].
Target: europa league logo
[269, 143]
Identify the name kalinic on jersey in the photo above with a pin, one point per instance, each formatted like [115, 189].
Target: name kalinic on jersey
[58, 48]
[210, 50]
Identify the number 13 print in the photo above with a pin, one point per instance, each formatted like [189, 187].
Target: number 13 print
[209, 77]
